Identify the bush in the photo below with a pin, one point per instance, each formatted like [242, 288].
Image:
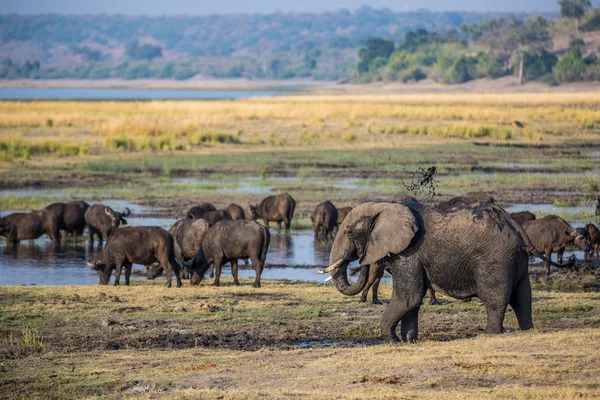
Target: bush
[536, 65]
[570, 67]
[415, 75]
[463, 70]
[591, 21]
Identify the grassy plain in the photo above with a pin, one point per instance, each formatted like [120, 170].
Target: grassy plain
[133, 150]
[286, 339]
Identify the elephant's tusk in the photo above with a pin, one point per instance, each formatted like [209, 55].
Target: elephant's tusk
[332, 267]
[93, 266]
[329, 278]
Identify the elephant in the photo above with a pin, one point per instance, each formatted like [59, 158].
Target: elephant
[475, 251]
[462, 201]
[324, 220]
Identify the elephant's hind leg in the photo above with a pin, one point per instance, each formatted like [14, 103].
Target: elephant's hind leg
[520, 302]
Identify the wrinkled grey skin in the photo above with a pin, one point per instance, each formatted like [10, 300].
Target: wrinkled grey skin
[594, 238]
[230, 241]
[235, 211]
[188, 235]
[476, 251]
[552, 234]
[102, 221]
[136, 245]
[462, 201]
[23, 226]
[71, 216]
[324, 220]
[278, 209]
[523, 216]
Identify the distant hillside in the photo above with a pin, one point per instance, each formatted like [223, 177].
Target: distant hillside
[277, 46]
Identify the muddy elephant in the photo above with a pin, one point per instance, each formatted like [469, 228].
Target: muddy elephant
[136, 245]
[477, 251]
[523, 216]
[23, 226]
[230, 241]
[102, 221]
[461, 201]
[324, 220]
[235, 211]
[552, 234]
[594, 238]
[71, 216]
[188, 235]
[278, 209]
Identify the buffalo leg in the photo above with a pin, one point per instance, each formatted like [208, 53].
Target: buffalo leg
[212, 271]
[376, 282]
[278, 225]
[127, 273]
[258, 267]
[548, 256]
[234, 272]
[217, 263]
[432, 299]
[119, 267]
[559, 255]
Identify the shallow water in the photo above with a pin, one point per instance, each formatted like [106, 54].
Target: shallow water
[42, 263]
[126, 94]
[550, 208]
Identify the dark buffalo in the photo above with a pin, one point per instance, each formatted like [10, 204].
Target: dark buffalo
[230, 241]
[188, 235]
[278, 209]
[342, 212]
[103, 221]
[594, 237]
[324, 220]
[71, 216]
[523, 216]
[22, 226]
[211, 216]
[597, 212]
[197, 211]
[552, 234]
[136, 245]
[462, 201]
[236, 211]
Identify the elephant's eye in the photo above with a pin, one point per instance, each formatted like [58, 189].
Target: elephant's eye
[349, 232]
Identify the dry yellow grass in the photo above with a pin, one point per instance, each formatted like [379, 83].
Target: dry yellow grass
[312, 120]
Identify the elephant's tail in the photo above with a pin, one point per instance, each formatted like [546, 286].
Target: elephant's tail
[530, 248]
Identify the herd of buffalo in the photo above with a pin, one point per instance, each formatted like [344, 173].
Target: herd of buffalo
[466, 247]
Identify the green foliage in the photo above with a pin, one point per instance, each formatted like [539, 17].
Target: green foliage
[374, 55]
[591, 21]
[463, 70]
[537, 65]
[574, 8]
[570, 67]
[143, 52]
[29, 342]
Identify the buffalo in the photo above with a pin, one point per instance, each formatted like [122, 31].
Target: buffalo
[523, 216]
[102, 221]
[235, 211]
[552, 234]
[230, 241]
[324, 220]
[197, 211]
[594, 237]
[342, 212]
[71, 216]
[22, 226]
[140, 245]
[278, 209]
[210, 216]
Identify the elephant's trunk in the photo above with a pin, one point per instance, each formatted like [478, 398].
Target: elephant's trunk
[340, 278]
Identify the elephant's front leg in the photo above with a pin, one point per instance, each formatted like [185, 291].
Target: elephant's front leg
[409, 290]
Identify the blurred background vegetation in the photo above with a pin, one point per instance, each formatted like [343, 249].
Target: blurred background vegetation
[365, 45]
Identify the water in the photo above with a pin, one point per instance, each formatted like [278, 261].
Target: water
[550, 208]
[126, 94]
[40, 262]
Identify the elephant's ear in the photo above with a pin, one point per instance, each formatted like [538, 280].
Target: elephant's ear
[393, 228]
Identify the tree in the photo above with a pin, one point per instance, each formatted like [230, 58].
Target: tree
[376, 48]
[518, 37]
[574, 9]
